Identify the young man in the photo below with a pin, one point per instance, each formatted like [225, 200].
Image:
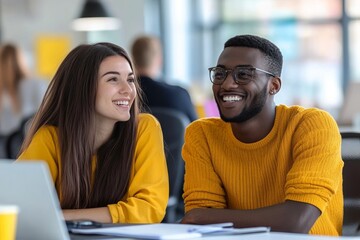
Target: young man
[262, 164]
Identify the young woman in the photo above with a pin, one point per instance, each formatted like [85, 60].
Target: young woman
[20, 94]
[107, 160]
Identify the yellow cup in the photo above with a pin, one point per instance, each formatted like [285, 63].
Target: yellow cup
[8, 220]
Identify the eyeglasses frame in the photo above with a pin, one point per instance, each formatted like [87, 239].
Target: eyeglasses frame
[227, 71]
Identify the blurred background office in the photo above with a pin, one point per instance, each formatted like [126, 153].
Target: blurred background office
[320, 39]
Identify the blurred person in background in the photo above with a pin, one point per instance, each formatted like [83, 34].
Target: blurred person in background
[147, 55]
[20, 95]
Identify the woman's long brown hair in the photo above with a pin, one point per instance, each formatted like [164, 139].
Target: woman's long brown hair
[69, 104]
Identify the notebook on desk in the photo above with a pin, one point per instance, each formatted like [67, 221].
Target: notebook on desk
[164, 231]
[29, 186]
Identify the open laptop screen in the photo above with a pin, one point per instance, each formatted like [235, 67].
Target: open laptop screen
[28, 185]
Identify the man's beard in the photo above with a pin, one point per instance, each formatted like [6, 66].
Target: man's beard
[248, 112]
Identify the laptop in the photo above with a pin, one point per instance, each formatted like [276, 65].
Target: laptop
[29, 186]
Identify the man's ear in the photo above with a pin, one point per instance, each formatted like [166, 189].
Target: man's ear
[275, 85]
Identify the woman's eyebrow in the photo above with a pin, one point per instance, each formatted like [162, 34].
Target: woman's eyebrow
[116, 73]
[111, 72]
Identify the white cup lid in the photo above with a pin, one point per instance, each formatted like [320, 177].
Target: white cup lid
[9, 209]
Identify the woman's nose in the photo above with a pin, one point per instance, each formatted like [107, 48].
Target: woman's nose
[124, 87]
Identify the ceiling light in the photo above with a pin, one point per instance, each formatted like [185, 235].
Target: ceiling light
[94, 17]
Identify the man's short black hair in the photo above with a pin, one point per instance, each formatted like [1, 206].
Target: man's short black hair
[271, 52]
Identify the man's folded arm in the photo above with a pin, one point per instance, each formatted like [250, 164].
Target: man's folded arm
[290, 216]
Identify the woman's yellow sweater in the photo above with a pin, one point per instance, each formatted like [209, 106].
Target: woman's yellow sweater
[147, 197]
[299, 160]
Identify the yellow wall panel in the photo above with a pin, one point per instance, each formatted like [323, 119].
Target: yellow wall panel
[50, 51]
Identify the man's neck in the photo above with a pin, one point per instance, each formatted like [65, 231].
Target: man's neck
[256, 128]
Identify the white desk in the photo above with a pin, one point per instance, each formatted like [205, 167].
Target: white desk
[280, 236]
[255, 236]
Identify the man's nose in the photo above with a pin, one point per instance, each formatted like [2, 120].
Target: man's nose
[229, 81]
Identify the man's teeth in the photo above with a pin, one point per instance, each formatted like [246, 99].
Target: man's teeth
[121, 102]
[231, 98]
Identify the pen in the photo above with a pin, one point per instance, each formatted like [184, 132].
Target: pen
[222, 225]
[211, 228]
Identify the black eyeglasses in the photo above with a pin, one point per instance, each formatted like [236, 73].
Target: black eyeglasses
[241, 75]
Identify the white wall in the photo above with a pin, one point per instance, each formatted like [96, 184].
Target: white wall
[22, 21]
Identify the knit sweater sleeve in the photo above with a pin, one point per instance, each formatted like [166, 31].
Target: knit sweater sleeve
[45, 147]
[202, 186]
[316, 173]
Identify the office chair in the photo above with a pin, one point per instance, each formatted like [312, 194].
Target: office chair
[173, 124]
[15, 140]
[350, 151]
[3, 140]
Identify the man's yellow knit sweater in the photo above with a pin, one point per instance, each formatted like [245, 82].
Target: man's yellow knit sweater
[299, 160]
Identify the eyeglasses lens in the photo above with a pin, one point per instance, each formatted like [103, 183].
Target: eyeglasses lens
[240, 75]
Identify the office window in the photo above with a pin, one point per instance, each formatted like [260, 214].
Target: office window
[353, 8]
[354, 46]
[280, 9]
